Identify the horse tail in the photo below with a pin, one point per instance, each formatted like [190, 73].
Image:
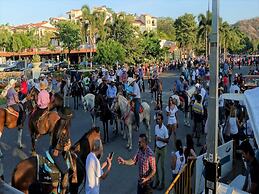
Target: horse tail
[13, 179]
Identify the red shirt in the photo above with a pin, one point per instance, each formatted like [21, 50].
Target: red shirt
[24, 87]
[225, 80]
[146, 162]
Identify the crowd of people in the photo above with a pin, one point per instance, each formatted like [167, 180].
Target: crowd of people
[129, 81]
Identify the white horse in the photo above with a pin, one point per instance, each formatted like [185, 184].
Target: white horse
[128, 117]
[190, 92]
[88, 103]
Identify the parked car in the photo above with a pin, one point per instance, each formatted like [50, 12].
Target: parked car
[60, 65]
[84, 63]
[18, 66]
[3, 66]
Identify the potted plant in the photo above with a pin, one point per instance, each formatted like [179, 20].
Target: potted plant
[36, 61]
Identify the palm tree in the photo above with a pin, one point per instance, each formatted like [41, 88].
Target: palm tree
[205, 29]
[94, 25]
[225, 36]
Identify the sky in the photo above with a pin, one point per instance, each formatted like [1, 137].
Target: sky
[17, 12]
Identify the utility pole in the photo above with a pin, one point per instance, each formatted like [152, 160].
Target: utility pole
[211, 162]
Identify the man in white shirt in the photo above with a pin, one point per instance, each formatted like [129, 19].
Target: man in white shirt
[136, 98]
[161, 141]
[94, 170]
[234, 88]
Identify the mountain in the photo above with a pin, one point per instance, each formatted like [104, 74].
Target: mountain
[249, 27]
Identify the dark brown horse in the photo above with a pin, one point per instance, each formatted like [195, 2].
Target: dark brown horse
[102, 109]
[25, 173]
[45, 124]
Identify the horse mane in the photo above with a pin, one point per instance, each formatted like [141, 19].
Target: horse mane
[87, 134]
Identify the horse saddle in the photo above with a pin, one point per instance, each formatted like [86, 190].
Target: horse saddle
[47, 172]
[11, 111]
[141, 109]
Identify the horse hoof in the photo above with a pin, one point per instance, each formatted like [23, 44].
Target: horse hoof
[33, 153]
[130, 148]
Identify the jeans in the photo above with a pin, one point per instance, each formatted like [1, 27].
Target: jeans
[160, 155]
[60, 162]
[136, 109]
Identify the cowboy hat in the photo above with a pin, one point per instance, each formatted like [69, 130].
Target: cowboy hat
[43, 85]
[12, 81]
[65, 113]
[130, 80]
[104, 78]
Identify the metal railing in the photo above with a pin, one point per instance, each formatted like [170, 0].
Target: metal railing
[182, 183]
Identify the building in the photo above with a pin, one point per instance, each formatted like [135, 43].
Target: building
[55, 20]
[74, 15]
[40, 28]
[146, 23]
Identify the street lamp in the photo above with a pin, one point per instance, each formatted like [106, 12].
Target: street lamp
[211, 163]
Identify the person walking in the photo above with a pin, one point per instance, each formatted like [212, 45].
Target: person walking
[94, 170]
[147, 165]
[161, 141]
[177, 159]
[253, 168]
[198, 114]
[171, 112]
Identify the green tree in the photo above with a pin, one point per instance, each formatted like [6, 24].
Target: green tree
[109, 52]
[5, 39]
[69, 34]
[122, 31]
[151, 46]
[205, 29]
[165, 28]
[185, 30]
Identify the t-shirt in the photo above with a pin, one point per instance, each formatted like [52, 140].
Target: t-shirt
[221, 101]
[162, 133]
[172, 117]
[136, 90]
[11, 93]
[93, 174]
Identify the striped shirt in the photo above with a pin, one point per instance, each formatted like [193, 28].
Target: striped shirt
[146, 162]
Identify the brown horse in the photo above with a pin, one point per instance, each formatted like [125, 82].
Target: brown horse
[25, 173]
[45, 124]
[8, 119]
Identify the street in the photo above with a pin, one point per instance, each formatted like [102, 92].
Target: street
[122, 179]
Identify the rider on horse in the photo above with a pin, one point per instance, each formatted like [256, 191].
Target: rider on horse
[23, 88]
[111, 92]
[136, 98]
[61, 143]
[13, 101]
[43, 101]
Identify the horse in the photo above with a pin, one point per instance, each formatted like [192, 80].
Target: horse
[105, 114]
[8, 119]
[88, 103]
[46, 123]
[121, 104]
[76, 92]
[180, 103]
[25, 173]
[154, 86]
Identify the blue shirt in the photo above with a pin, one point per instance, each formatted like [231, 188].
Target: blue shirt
[179, 86]
[111, 91]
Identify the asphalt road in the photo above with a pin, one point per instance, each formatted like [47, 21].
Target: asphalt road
[122, 179]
